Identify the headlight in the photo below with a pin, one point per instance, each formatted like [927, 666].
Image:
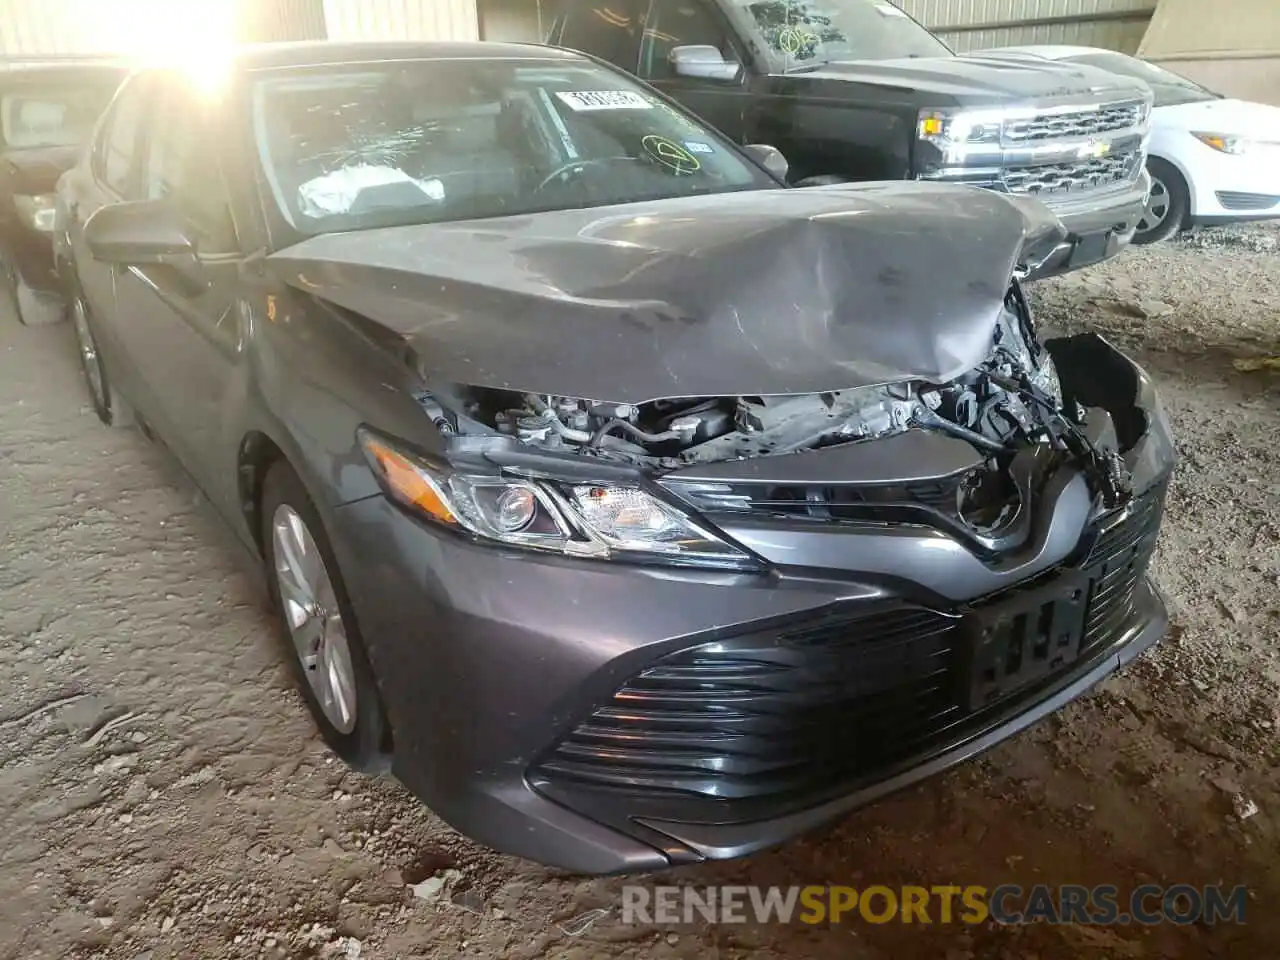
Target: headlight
[1234, 145]
[39, 211]
[952, 128]
[1045, 376]
[602, 521]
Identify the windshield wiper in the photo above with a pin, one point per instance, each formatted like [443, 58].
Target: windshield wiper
[806, 67]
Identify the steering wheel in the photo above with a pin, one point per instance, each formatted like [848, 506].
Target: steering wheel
[580, 165]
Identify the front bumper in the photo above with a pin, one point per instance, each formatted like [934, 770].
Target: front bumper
[1230, 189]
[1099, 226]
[501, 672]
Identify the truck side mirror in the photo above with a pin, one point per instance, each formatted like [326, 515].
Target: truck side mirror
[770, 158]
[704, 62]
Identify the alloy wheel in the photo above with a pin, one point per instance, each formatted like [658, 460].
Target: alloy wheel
[1157, 208]
[315, 623]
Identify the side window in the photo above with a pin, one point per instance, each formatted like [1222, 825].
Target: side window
[679, 23]
[608, 29]
[181, 165]
[117, 150]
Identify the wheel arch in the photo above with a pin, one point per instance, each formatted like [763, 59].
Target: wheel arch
[256, 453]
[1187, 181]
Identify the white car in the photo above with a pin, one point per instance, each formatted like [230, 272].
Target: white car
[1213, 160]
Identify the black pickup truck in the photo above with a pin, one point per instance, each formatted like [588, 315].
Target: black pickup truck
[48, 107]
[857, 90]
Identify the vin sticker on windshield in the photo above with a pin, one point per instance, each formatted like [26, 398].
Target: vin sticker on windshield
[889, 10]
[697, 146]
[585, 100]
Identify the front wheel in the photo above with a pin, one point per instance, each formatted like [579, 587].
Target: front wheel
[1167, 206]
[326, 648]
[110, 409]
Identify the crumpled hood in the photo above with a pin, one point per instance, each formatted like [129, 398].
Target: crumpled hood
[976, 79]
[753, 293]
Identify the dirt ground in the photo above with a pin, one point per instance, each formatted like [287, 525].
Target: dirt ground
[162, 793]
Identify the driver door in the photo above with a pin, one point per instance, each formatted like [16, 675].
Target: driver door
[184, 314]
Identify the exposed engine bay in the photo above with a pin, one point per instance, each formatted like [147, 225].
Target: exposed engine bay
[1010, 402]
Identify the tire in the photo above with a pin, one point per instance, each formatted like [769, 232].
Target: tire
[107, 404]
[335, 659]
[1168, 205]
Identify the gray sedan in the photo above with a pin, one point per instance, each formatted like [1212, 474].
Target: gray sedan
[631, 507]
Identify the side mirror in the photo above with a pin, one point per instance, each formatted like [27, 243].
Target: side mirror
[770, 158]
[138, 232]
[704, 62]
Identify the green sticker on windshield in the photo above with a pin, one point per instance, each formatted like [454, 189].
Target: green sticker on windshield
[794, 39]
[671, 155]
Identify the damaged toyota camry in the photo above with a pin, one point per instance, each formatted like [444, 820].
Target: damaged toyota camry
[632, 508]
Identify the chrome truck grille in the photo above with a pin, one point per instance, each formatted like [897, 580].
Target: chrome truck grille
[1054, 152]
[1073, 124]
[1076, 176]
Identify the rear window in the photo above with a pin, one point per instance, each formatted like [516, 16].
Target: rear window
[53, 115]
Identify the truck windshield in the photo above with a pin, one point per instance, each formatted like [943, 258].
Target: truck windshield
[379, 144]
[806, 33]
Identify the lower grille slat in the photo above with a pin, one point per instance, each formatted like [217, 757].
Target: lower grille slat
[797, 709]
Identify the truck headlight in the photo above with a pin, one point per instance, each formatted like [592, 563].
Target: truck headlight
[604, 521]
[38, 212]
[954, 128]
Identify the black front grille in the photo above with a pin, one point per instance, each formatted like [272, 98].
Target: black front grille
[1117, 560]
[884, 502]
[797, 710]
[762, 714]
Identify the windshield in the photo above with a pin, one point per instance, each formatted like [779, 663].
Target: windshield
[807, 33]
[373, 145]
[1169, 88]
[59, 115]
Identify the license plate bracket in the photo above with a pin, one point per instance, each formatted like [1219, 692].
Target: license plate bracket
[1091, 248]
[1017, 642]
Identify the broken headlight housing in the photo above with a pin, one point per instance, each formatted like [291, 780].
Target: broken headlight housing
[605, 521]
